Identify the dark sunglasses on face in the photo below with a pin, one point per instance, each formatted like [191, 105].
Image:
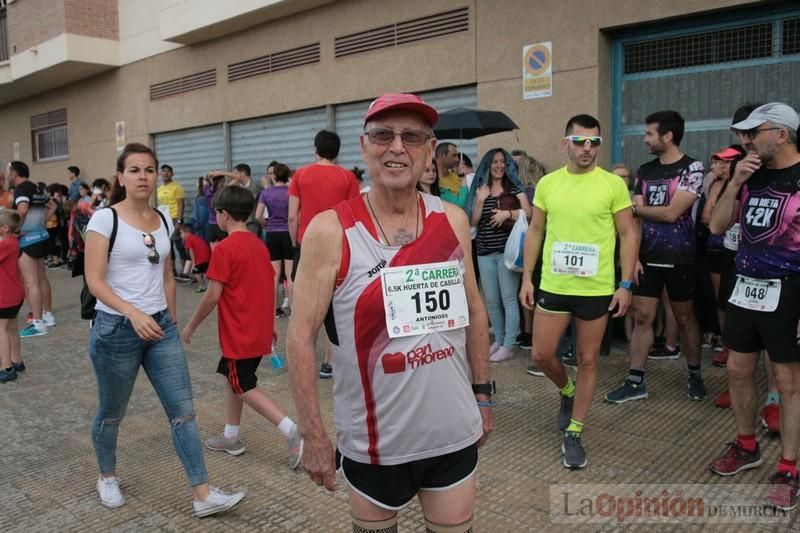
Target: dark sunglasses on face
[385, 136]
[752, 134]
[150, 242]
[581, 140]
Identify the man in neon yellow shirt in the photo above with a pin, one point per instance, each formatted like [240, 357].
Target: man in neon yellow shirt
[581, 208]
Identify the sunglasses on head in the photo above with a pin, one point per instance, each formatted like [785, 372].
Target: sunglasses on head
[385, 136]
[581, 140]
[150, 242]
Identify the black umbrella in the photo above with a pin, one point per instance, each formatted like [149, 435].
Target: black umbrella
[463, 123]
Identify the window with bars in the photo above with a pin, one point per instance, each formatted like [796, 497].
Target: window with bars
[791, 36]
[3, 32]
[49, 136]
[740, 43]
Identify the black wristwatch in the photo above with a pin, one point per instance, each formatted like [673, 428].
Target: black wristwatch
[484, 388]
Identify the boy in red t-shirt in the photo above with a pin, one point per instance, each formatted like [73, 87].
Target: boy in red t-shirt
[12, 294]
[241, 280]
[200, 254]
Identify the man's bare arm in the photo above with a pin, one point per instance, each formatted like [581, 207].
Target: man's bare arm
[316, 278]
[680, 203]
[478, 330]
[293, 219]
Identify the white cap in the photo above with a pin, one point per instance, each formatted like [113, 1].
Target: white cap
[774, 112]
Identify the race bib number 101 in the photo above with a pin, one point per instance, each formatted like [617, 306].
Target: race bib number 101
[422, 299]
[577, 259]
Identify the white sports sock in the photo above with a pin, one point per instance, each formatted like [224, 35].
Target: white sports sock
[231, 432]
[287, 427]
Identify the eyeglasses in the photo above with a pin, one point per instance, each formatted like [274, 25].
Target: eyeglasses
[581, 140]
[384, 136]
[150, 242]
[752, 134]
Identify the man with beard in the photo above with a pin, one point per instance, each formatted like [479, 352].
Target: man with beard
[665, 201]
[764, 309]
[581, 208]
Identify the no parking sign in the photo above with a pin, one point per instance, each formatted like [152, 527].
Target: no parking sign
[537, 70]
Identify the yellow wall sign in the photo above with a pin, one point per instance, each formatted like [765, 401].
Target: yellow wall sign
[537, 70]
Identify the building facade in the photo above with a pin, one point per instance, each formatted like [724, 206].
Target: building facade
[211, 84]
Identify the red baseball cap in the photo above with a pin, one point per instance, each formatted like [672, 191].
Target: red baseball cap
[394, 101]
[728, 154]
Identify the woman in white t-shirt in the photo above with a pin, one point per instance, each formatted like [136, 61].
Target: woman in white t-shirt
[135, 327]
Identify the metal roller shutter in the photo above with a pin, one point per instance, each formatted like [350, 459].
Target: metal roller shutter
[191, 153]
[288, 138]
[350, 121]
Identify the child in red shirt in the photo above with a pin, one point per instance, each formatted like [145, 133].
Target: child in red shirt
[241, 280]
[12, 294]
[199, 253]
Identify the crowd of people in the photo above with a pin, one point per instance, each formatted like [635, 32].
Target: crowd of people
[412, 279]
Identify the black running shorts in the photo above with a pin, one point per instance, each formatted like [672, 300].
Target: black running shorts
[393, 486]
[583, 307]
[37, 250]
[10, 313]
[678, 279]
[241, 373]
[748, 331]
[280, 245]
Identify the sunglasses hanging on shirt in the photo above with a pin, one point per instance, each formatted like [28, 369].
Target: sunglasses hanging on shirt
[150, 242]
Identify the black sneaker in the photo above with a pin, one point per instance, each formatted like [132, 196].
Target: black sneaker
[279, 312]
[565, 412]
[568, 359]
[534, 370]
[697, 389]
[661, 352]
[19, 367]
[325, 371]
[525, 340]
[574, 454]
[627, 392]
[183, 278]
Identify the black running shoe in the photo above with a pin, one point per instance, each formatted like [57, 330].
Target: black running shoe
[574, 454]
[697, 389]
[661, 352]
[565, 412]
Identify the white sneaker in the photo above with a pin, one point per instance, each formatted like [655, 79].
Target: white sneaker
[217, 502]
[109, 493]
[48, 319]
[285, 304]
[295, 449]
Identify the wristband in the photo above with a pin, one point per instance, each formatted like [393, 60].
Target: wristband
[626, 284]
[485, 404]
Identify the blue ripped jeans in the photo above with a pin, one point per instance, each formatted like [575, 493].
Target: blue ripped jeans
[117, 353]
[500, 289]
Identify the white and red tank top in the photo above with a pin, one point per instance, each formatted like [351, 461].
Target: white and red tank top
[403, 399]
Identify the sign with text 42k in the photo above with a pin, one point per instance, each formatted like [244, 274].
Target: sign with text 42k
[420, 299]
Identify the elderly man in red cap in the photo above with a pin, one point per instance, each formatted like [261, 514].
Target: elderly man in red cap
[412, 395]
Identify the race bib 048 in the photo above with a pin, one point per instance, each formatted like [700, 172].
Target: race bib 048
[422, 299]
[756, 294]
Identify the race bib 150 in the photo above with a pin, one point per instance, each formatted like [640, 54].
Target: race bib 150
[423, 299]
